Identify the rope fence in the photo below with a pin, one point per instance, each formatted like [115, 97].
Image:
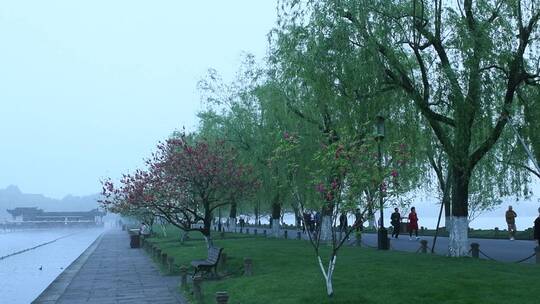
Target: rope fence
[475, 251]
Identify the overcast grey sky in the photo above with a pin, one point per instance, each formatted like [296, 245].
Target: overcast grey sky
[87, 88]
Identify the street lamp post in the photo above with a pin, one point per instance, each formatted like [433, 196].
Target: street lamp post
[382, 234]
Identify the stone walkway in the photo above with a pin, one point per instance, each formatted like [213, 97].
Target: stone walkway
[112, 273]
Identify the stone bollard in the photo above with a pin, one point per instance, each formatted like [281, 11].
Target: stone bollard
[298, 235]
[183, 277]
[285, 234]
[475, 250]
[423, 246]
[197, 288]
[170, 262]
[264, 232]
[255, 231]
[164, 258]
[247, 230]
[248, 267]
[222, 297]
[537, 251]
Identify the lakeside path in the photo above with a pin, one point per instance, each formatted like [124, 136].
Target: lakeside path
[110, 272]
[498, 249]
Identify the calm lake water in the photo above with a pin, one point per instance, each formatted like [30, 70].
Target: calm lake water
[21, 279]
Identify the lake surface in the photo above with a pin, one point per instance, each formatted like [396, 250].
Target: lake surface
[24, 276]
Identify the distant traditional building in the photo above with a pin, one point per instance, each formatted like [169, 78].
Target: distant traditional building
[35, 215]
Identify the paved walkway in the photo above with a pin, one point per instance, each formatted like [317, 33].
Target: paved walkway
[497, 249]
[111, 272]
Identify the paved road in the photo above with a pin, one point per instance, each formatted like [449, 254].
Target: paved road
[500, 250]
[111, 272]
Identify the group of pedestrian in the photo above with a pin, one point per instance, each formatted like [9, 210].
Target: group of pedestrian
[311, 222]
[511, 215]
[412, 226]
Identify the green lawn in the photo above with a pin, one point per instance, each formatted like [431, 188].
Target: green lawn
[286, 271]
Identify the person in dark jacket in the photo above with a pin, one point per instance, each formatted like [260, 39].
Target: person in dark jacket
[537, 228]
[343, 223]
[395, 220]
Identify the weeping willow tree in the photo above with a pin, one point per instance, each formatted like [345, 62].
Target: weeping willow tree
[460, 63]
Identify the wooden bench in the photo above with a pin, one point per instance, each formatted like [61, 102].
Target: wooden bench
[214, 253]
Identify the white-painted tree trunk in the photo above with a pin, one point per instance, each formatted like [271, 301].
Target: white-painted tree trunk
[209, 242]
[276, 228]
[459, 237]
[448, 223]
[326, 228]
[232, 224]
[328, 274]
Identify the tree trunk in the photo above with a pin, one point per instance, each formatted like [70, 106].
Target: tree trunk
[209, 241]
[232, 223]
[459, 223]
[326, 228]
[276, 214]
[297, 216]
[328, 274]
[371, 214]
[256, 214]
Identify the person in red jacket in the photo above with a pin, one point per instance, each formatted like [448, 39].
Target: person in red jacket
[413, 223]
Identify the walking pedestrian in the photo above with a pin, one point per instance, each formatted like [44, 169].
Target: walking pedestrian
[395, 220]
[511, 221]
[537, 228]
[317, 221]
[413, 224]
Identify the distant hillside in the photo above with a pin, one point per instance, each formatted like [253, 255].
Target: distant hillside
[12, 197]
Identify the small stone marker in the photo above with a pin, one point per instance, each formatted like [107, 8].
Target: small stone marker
[248, 267]
[475, 250]
[222, 297]
[264, 232]
[197, 288]
[164, 258]
[183, 277]
[247, 230]
[285, 234]
[423, 245]
[255, 231]
[170, 262]
[299, 235]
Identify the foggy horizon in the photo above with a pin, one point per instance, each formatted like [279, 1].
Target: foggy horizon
[87, 93]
